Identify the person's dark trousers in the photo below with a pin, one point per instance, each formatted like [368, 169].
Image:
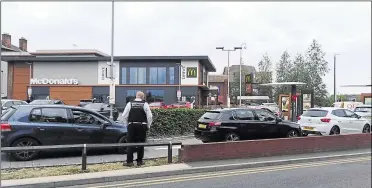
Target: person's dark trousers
[136, 134]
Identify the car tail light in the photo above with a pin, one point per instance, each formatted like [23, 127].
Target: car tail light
[325, 120]
[213, 124]
[5, 127]
[298, 118]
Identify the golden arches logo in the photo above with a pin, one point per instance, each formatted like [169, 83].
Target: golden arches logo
[248, 78]
[192, 72]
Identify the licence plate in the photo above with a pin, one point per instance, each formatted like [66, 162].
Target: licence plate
[202, 126]
[308, 128]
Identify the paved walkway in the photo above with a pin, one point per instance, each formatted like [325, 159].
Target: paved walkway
[156, 171]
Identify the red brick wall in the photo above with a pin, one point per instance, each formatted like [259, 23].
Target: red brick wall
[272, 147]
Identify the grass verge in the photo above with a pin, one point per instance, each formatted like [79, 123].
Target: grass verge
[75, 169]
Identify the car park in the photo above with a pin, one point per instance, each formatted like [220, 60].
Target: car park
[103, 109]
[7, 103]
[34, 125]
[46, 102]
[331, 121]
[243, 123]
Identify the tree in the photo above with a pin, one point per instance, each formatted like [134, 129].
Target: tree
[283, 68]
[316, 67]
[264, 75]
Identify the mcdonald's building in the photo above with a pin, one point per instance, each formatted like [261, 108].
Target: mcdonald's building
[73, 75]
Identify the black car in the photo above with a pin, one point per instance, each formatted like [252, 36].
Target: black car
[241, 124]
[45, 102]
[33, 125]
[103, 109]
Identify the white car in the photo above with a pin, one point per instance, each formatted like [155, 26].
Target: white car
[365, 111]
[330, 121]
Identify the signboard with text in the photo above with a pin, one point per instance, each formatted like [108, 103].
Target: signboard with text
[62, 81]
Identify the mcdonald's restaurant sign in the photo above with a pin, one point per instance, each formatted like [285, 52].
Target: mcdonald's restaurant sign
[192, 72]
[248, 79]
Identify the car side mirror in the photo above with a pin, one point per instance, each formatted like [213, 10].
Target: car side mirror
[105, 124]
[278, 120]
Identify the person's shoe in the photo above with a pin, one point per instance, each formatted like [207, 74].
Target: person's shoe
[140, 163]
[129, 164]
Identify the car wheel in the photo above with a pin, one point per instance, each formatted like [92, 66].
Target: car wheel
[292, 134]
[122, 150]
[366, 129]
[25, 155]
[231, 137]
[334, 131]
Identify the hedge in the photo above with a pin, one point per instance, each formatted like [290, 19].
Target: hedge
[174, 122]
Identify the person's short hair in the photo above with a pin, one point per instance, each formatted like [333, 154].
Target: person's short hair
[140, 95]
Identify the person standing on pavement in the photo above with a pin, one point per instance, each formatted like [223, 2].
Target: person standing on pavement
[137, 115]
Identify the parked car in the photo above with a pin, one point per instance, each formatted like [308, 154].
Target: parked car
[157, 105]
[7, 103]
[34, 125]
[46, 102]
[365, 111]
[104, 109]
[84, 102]
[243, 123]
[181, 104]
[331, 121]
[274, 108]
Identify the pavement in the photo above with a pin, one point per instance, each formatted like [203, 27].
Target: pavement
[355, 173]
[175, 175]
[94, 157]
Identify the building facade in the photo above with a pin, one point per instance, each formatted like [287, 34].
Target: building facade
[72, 76]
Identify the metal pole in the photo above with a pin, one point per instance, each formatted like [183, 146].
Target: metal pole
[29, 86]
[112, 61]
[228, 79]
[179, 82]
[1, 107]
[334, 78]
[240, 79]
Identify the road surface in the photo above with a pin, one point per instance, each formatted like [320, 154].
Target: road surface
[70, 158]
[341, 173]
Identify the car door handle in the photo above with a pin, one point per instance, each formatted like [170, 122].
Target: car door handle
[41, 129]
[79, 129]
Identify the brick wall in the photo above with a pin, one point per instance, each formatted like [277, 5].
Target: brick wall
[272, 147]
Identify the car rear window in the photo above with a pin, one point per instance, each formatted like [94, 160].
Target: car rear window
[211, 115]
[315, 113]
[6, 114]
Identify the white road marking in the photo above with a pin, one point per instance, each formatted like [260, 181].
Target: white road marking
[165, 148]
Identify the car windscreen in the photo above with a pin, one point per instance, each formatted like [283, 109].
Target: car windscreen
[211, 115]
[315, 113]
[363, 109]
[96, 106]
[40, 102]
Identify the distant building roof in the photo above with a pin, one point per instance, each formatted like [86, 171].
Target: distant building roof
[217, 78]
[69, 52]
[236, 68]
[12, 48]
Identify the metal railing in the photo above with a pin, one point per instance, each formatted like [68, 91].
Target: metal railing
[85, 147]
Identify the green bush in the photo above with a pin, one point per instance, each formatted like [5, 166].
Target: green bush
[174, 122]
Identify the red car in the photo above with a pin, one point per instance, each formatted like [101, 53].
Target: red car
[157, 105]
[181, 104]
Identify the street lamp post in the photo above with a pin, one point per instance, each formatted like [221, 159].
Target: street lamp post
[29, 91]
[180, 78]
[228, 72]
[112, 84]
[334, 77]
[243, 46]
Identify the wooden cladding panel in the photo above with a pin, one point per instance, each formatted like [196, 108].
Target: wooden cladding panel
[70, 95]
[21, 76]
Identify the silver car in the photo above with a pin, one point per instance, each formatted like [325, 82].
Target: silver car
[365, 111]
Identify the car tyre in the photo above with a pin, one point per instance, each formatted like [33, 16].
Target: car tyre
[122, 150]
[232, 137]
[335, 130]
[25, 155]
[366, 129]
[292, 134]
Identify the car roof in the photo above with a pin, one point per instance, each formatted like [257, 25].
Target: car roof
[327, 108]
[52, 106]
[6, 100]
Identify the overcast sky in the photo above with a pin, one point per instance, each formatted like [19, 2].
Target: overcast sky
[162, 28]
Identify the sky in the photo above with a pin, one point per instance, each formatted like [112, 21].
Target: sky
[197, 28]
